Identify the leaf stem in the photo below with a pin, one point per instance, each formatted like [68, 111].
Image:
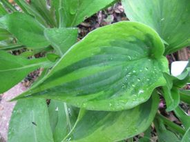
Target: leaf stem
[171, 124]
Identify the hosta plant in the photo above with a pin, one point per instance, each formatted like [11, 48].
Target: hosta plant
[104, 88]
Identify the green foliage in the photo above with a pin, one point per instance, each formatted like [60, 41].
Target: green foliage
[169, 18]
[27, 30]
[15, 68]
[61, 39]
[30, 122]
[104, 77]
[103, 88]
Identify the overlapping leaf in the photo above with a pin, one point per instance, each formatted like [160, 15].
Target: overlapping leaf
[30, 122]
[114, 126]
[164, 135]
[169, 18]
[72, 12]
[183, 116]
[61, 39]
[114, 68]
[62, 119]
[26, 29]
[186, 137]
[39, 9]
[13, 69]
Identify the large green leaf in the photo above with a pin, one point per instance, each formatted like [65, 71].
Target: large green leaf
[62, 39]
[114, 68]
[26, 29]
[169, 18]
[73, 12]
[30, 122]
[13, 69]
[114, 126]
[62, 119]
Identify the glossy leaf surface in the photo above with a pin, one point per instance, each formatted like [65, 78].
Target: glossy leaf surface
[26, 29]
[73, 12]
[114, 126]
[169, 18]
[62, 39]
[30, 122]
[113, 68]
[14, 68]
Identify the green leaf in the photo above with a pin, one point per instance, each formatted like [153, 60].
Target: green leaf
[147, 136]
[185, 96]
[170, 125]
[10, 7]
[73, 12]
[4, 34]
[104, 126]
[30, 122]
[62, 39]
[170, 93]
[62, 119]
[170, 19]
[13, 69]
[38, 9]
[116, 67]
[27, 30]
[183, 116]
[186, 137]
[2, 10]
[164, 135]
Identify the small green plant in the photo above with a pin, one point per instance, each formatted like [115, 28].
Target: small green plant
[104, 88]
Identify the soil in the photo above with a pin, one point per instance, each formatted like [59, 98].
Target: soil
[6, 109]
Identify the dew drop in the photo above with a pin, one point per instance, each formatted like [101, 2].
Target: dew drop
[68, 139]
[129, 57]
[141, 91]
[57, 109]
[138, 79]
[69, 111]
[146, 68]
[84, 104]
[162, 19]
[134, 71]
[133, 85]
[134, 99]
[72, 10]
